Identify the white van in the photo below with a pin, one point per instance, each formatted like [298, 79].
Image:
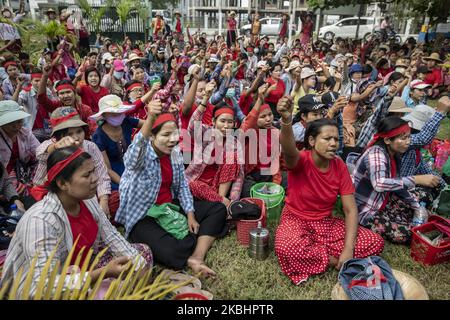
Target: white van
[346, 28]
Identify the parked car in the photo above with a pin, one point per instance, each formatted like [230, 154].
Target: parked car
[269, 27]
[346, 28]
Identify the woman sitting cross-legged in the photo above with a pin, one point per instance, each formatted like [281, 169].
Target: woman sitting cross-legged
[68, 213]
[152, 182]
[384, 201]
[308, 239]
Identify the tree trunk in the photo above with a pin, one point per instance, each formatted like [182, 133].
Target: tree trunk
[359, 21]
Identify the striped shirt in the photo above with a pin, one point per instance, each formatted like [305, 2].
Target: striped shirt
[372, 180]
[195, 170]
[45, 228]
[104, 181]
[141, 181]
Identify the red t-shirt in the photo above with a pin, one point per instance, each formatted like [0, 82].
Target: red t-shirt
[165, 195]
[91, 98]
[209, 172]
[278, 93]
[207, 120]
[86, 228]
[245, 102]
[434, 77]
[312, 193]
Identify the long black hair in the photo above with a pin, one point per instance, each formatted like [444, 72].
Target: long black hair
[314, 128]
[66, 173]
[386, 125]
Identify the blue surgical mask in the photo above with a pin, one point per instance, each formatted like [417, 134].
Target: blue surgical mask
[118, 74]
[115, 120]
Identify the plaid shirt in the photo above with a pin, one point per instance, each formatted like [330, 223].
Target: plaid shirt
[44, 228]
[370, 127]
[372, 180]
[141, 182]
[409, 165]
[195, 171]
[104, 181]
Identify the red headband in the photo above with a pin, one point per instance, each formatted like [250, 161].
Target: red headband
[38, 192]
[395, 132]
[36, 76]
[264, 107]
[9, 63]
[224, 111]
[134, 85]
[163, 118]
[55, 121]
[65, 86]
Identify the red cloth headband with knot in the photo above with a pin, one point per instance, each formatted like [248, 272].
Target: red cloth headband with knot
[395, 132]
[39, 192]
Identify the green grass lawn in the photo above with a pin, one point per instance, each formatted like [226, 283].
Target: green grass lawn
[240, 277]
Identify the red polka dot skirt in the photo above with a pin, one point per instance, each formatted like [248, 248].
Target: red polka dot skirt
[303, 247]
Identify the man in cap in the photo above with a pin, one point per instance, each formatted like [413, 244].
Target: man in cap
[311, 108]
[415, 93]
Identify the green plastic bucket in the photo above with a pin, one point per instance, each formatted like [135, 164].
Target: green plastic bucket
[274, 202]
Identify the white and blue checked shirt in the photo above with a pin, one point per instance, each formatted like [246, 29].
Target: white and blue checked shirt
[141, 181]
[409, 166]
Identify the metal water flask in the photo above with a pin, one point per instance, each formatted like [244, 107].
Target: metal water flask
[259, 243]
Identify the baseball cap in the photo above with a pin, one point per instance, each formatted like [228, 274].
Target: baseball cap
[309, 103]
[161, 50]
[398, 105]
[65, 117]
[307, 72]
[118, 65]
[419, 84]
[329, 98]
[419, 116]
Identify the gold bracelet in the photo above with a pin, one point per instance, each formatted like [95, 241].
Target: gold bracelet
[285, 124]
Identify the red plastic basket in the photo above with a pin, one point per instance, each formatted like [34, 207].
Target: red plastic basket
[243, 227]
[425, 252]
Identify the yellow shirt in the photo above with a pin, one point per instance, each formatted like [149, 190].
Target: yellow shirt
[300, 94]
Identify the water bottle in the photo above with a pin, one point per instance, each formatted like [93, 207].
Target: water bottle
[431, 163]
[15, 212]
[420, 215]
